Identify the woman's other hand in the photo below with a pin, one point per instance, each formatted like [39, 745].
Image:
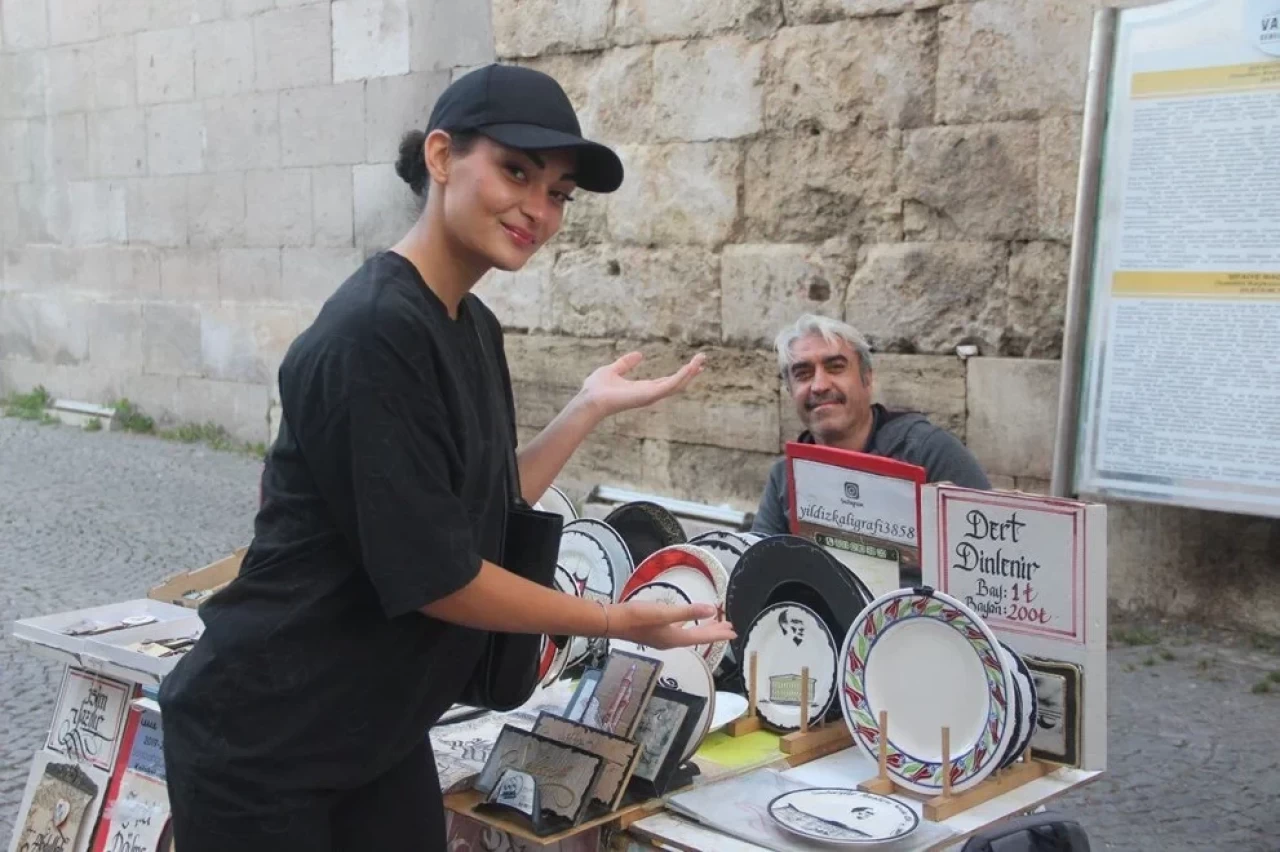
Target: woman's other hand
[661, 625]
[609, 391]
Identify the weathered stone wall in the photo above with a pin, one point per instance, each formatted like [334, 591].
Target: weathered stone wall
[907, 165]
[182, 182]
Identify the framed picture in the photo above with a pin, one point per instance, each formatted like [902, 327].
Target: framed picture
[576, 709]
[620, 754]
[669, 720]
[626, 682]
[565, 775]
[1057, 724]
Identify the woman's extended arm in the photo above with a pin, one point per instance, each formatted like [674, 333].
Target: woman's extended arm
[605, 392]
[499, 600]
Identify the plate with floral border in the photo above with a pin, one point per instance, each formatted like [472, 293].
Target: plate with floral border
[958, 678]
[843, 816]
[697, 572]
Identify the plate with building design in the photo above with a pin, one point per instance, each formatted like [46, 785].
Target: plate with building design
[788, 638]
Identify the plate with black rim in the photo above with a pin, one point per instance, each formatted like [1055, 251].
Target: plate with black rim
[843, 816]
[646, 528]
[727, 547]
[555, 500]
[588, 564]
[620, 560]
[790, 569]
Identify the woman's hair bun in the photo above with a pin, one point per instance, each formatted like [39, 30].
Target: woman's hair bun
[412, 165]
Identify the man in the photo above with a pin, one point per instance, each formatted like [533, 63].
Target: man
[826, 365]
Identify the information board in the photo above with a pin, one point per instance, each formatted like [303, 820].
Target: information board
[1180, 383]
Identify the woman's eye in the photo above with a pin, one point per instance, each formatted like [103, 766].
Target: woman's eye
[562, 197]
[515, 171]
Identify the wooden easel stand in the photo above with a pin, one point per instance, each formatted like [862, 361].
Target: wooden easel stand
[809, 742]
[948, 804]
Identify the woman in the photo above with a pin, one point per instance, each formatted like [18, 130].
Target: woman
[299, 720]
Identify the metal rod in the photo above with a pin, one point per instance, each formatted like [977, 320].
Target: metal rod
[1083, 232]
[701, 511]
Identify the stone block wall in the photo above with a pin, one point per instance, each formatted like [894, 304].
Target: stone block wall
[906, 165]
[183, 182]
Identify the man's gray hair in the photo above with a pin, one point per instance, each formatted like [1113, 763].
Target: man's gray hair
[830, 330]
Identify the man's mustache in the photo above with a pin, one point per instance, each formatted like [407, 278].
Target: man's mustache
[814, 401]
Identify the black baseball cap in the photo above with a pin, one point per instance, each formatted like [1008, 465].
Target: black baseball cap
[525, 109]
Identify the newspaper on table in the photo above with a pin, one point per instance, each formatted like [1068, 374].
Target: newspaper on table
[462, 748]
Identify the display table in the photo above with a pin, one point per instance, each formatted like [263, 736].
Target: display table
[846, 769]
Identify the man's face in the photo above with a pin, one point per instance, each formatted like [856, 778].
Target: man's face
[827, 387]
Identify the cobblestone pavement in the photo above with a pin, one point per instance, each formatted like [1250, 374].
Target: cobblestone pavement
[91, 518]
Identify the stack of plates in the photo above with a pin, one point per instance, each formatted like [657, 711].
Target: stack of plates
[930, 662]
[599, 563]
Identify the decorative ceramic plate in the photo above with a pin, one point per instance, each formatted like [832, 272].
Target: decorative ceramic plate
[588, 563]
[1024, 706]
[752, 538]
[786, 638]
[659, 592]
[843, 816]
[727, 547]
[697, 573]
[555, 500]
[787, 568]
[729, 706]
[556, 660]
[683, 669]
[611, 543]
[930, 662]
[646, 528]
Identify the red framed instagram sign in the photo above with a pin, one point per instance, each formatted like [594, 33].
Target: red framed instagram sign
[864, 509]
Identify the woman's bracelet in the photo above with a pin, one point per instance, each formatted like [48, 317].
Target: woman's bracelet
[605, 610]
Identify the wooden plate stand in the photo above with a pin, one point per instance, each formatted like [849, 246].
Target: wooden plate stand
[810, 741]
[947, 805]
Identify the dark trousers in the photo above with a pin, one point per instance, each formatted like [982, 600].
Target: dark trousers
[401, 810]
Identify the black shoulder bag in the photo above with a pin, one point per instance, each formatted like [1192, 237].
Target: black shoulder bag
[507, 674]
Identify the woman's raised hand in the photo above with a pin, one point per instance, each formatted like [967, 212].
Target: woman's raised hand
[660, 625]
[610, 391]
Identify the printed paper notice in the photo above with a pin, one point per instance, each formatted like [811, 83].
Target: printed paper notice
[1181, 401]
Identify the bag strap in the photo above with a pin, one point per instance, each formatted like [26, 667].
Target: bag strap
[515, 495]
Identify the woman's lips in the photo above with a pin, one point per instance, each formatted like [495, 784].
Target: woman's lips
[521, 236]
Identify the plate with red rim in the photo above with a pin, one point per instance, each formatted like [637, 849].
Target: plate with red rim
[955, 677]
[697, 573]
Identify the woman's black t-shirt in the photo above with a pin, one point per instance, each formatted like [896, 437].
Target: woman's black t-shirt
[382, 493]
